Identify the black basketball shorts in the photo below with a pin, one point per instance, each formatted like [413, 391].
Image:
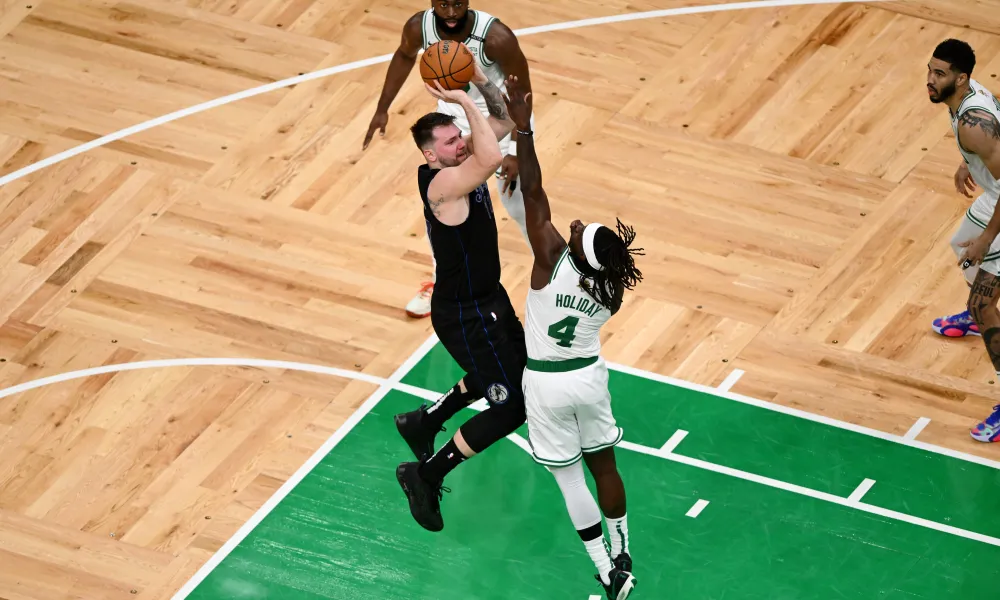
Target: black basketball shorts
[486, 339]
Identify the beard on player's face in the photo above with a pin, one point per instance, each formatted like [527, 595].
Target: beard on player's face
[450, 157]
[942, 93]
[460, 21]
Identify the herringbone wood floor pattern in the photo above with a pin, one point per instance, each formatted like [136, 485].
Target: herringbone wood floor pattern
[786, 174]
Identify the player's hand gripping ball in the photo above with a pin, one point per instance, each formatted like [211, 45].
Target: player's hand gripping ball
[449, 63]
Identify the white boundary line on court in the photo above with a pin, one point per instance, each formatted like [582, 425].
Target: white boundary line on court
[804, 491]
[385, 386]
[859, 492]
[916, 429]
[393, 383]
[695, 510]
[730, 380]
[360, 64]
[674, 441]
[795, 412]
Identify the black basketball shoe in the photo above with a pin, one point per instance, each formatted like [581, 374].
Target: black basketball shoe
[418, 436]
[622, 584]
[624, 562]
[424, 497]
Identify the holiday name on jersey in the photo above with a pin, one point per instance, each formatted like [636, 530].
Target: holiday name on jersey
[588, 307]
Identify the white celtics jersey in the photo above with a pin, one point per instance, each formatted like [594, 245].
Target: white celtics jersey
[476, 42]
[563, 320]
[982, 99]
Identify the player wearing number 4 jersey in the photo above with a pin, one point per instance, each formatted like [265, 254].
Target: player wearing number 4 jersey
[575, 288]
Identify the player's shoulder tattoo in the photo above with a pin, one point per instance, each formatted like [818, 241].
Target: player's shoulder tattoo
[982, 119]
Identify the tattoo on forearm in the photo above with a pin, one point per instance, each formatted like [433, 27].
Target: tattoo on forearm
[983, 120]
[494, 100]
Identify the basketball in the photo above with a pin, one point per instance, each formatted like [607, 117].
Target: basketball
[448, 62]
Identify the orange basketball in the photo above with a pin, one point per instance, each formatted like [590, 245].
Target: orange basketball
[448, 62]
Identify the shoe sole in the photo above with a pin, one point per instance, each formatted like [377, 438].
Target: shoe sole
[984, 439]
[626, 589]
[414, 315]
[939, 330]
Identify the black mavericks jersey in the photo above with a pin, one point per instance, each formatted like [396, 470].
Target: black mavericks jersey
[467, 256]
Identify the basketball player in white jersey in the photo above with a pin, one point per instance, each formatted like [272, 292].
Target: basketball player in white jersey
[499, 55]
[975, 119]
[575, 288]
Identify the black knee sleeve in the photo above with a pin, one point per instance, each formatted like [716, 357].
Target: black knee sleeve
[497, 422]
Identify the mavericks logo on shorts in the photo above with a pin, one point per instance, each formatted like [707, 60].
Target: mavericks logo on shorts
[496, 393]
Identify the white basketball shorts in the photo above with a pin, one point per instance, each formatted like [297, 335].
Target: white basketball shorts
[569, 412]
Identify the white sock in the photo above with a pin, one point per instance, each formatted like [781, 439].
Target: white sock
[618, 532]
[598, 550]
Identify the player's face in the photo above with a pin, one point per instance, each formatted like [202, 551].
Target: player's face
[451, 15]
[941, 81]
[449, 146]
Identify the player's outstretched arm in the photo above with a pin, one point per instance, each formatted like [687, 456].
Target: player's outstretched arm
[546, 242]
[449, 190]
[979, 132]
[503, 48]
[499, 120]
[399, 69]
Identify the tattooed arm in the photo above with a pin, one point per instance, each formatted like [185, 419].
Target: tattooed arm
[499, 120]
[979, 133]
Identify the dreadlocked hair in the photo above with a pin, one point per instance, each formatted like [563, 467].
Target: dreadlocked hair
[614, 253]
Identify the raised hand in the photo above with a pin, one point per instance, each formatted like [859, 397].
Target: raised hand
[518, 103]
[452, 96]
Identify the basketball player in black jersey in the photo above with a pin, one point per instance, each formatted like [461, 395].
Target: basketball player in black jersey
[471, 312]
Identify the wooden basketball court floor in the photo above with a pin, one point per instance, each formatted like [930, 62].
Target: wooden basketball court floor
[786, 174]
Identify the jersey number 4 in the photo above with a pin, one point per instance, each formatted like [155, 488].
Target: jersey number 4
[564, 331]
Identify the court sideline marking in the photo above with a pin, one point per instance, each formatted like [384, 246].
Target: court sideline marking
[695, 510]
[394, 383]
[360, 64]
[385, 386]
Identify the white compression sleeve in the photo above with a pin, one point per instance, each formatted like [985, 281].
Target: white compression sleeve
[580, 503]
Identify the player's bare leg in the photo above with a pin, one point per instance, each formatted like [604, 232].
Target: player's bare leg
[583, 511]
[611, 497]
[961, 324]
[983, 308]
